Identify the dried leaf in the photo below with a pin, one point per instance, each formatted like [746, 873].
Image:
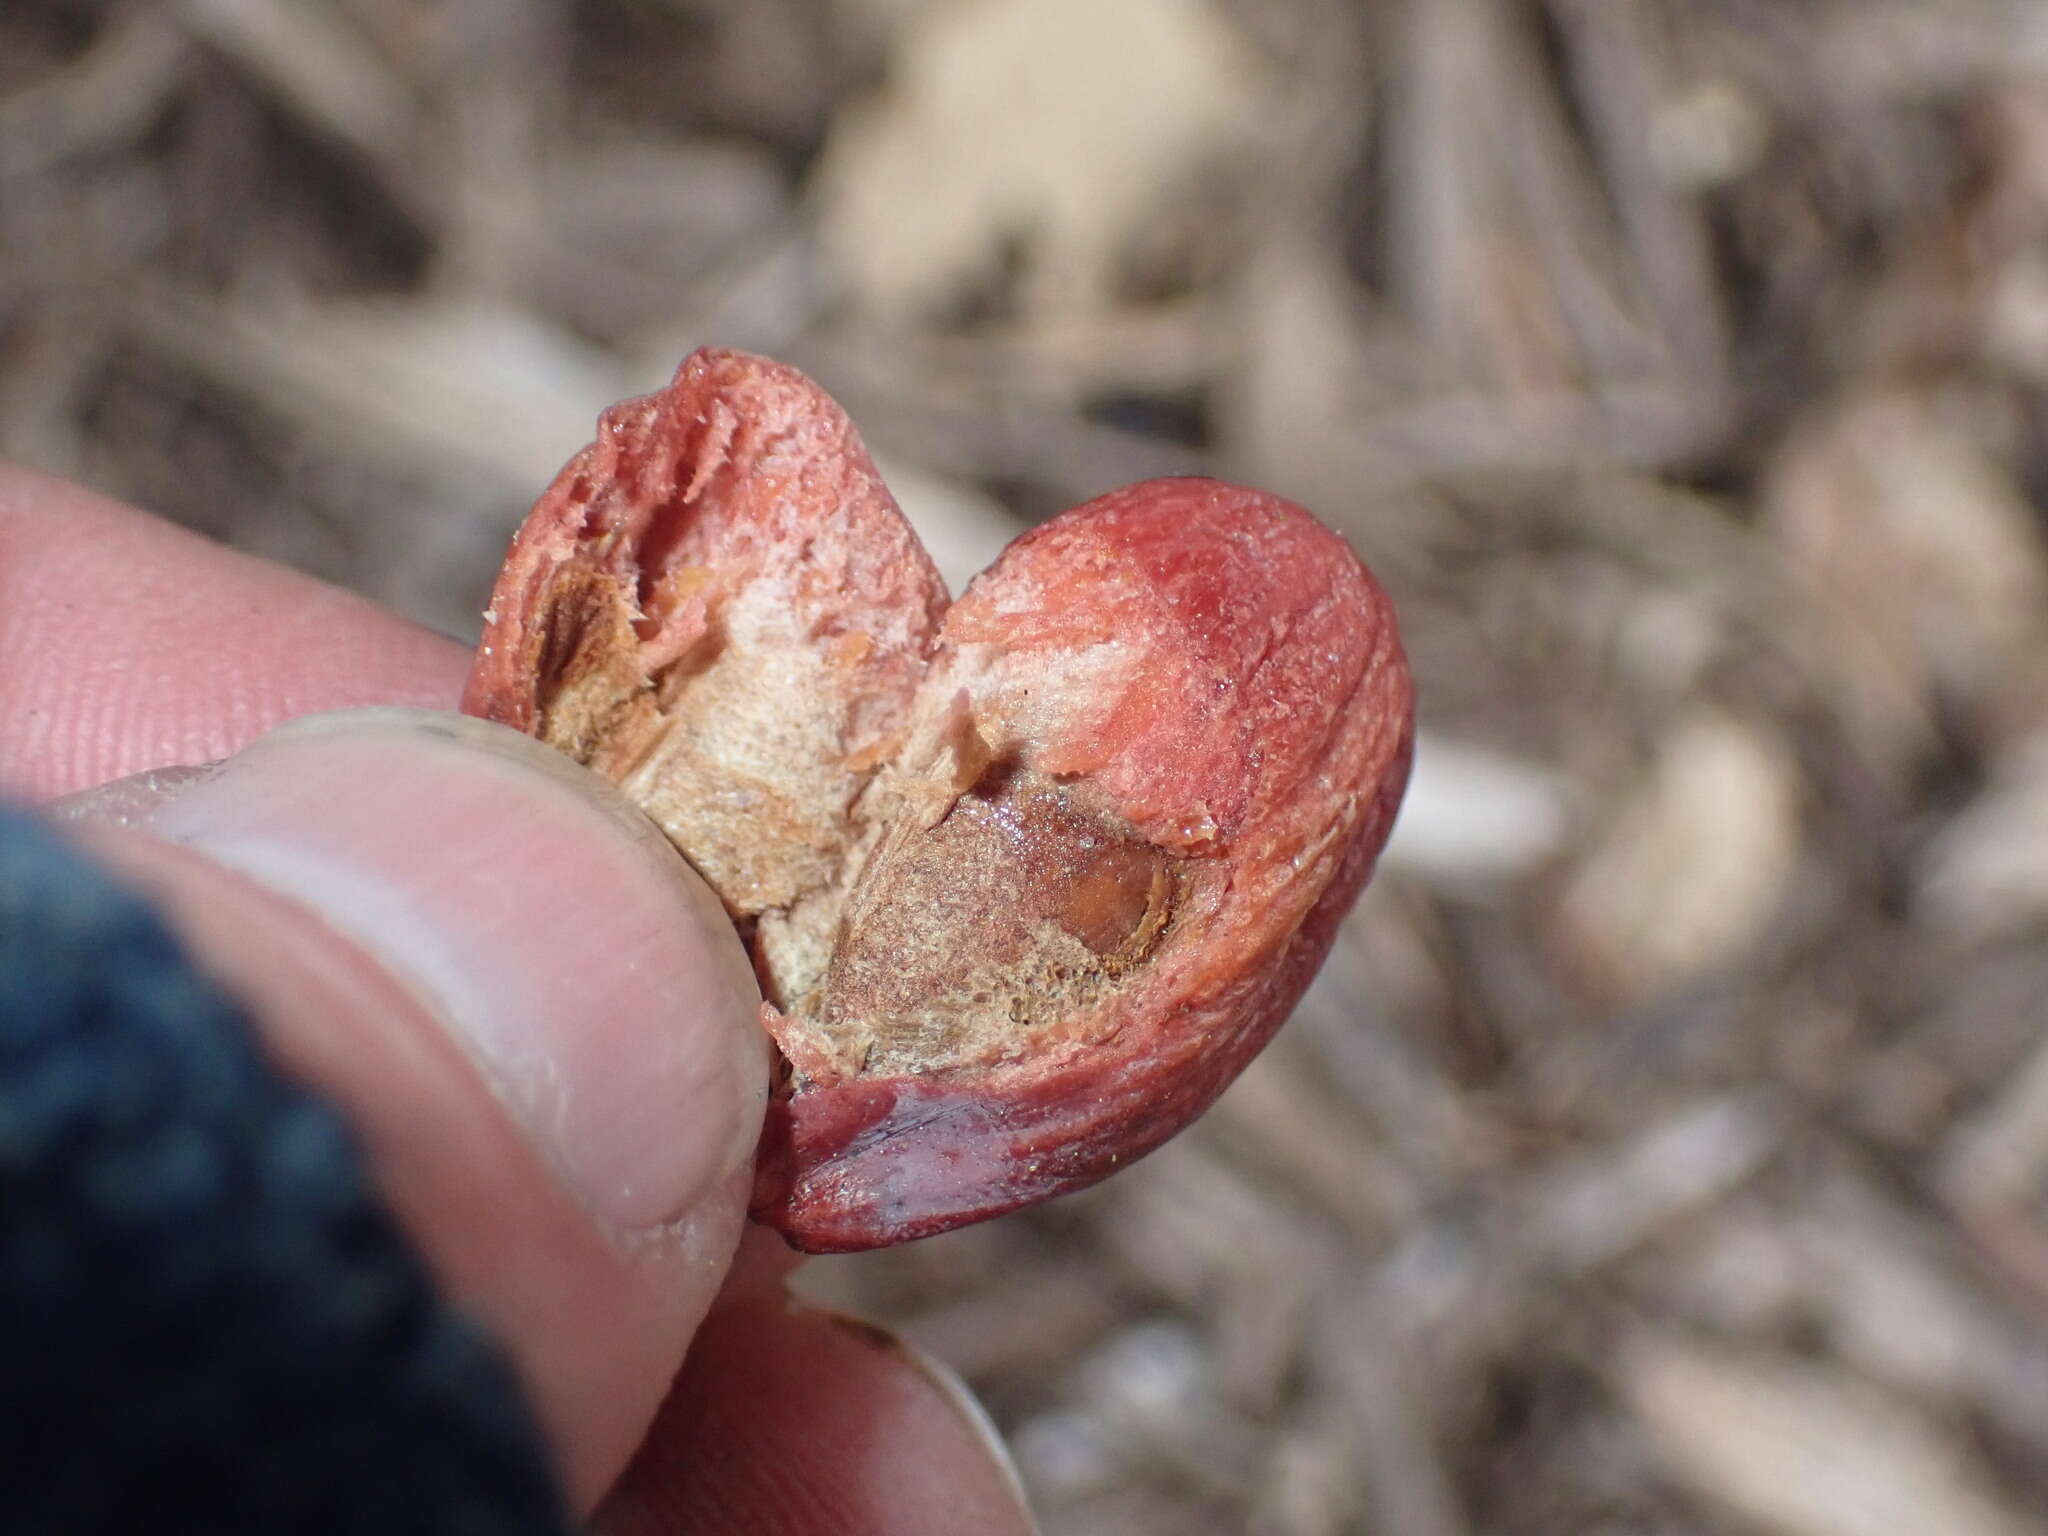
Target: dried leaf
[464, 389]
[1986, 874]
[1802, 1451]
[1694, 865]
[1921, 542]
[1476, 817]
[1051, 121]
[1597, 1208]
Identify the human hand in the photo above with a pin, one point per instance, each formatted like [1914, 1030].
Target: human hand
[540, 1026]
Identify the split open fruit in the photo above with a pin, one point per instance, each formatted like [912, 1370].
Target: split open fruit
[1027, 878]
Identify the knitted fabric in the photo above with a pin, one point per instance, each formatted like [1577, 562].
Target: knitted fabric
[207, 1321]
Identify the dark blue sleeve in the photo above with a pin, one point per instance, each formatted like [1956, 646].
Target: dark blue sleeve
[207, 1320]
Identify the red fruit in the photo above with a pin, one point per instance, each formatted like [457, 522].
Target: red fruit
[1028, 879]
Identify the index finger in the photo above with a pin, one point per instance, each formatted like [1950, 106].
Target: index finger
[128, 643]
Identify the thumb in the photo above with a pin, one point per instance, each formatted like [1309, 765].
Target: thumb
[540, 1022]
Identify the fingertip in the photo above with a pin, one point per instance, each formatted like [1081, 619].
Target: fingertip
[788, 1421]
[541, 1026]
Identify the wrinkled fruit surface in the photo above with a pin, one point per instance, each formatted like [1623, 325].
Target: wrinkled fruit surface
[1027, 878]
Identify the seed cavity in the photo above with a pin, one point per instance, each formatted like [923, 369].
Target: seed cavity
[1016, 913]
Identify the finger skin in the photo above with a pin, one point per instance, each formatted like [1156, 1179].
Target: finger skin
[206, 650]
[127, 643]
[792, 1422]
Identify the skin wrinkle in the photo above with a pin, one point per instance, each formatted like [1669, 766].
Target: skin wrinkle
[186, 667]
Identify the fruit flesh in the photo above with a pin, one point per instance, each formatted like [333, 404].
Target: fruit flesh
[676, 614]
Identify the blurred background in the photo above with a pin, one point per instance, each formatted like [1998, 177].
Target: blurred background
[1663, 1149]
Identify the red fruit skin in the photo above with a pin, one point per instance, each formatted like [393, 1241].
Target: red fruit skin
[1205, 665]
[1262, 729]
[728, 470]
